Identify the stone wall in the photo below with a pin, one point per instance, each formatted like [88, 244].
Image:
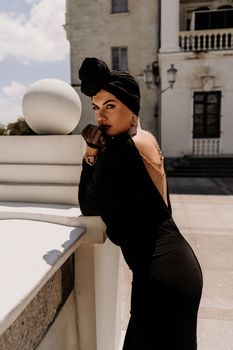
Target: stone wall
[30, 327]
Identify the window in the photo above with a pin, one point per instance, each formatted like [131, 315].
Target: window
[120, 58]
[217, 19]
[192, 22]
[206, 118]
[119, 6]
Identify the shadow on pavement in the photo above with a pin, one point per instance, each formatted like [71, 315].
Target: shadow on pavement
[201, 185]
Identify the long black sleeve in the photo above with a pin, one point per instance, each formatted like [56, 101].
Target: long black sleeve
[120, 190]
[86, 193]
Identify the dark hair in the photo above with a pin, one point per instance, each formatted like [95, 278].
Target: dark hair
[95, 75]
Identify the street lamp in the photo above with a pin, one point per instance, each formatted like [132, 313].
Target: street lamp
[148, 76]
[151, 76]
[171, 76]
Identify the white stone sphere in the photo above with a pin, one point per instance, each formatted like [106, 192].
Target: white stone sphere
[51, 106]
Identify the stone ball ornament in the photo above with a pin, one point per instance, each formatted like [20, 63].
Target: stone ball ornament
[51, 106]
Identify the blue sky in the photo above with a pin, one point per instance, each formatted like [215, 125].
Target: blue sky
[33, 46]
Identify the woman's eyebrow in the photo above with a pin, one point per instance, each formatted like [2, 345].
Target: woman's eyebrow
[103, 103]
[108, 102]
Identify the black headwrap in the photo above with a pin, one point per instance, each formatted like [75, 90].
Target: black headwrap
[95, 75]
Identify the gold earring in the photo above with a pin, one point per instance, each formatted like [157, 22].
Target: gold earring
[133, 122]
[133, 129]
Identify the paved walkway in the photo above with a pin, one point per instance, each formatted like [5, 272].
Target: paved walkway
[203, 210]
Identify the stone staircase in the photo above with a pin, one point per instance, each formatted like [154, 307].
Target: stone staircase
[200, 166]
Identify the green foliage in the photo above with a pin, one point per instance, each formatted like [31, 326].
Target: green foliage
[20, 127]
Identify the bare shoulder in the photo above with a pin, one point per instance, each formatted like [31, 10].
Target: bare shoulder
[148, 146]
[145, 138]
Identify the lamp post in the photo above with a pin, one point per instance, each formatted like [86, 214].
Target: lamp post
[151, 76]
[171, 76]
[148, 76]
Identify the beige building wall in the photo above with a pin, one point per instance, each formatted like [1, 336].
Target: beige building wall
[92, 31]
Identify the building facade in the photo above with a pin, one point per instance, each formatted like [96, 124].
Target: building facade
[195, 116]
[122, 33]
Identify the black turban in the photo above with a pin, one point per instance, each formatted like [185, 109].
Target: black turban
[95, 75]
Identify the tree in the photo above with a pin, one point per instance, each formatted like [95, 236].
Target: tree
[2, 131]
[20, 127]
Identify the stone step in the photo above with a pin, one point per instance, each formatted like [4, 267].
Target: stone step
[198, 174]
[199, 166]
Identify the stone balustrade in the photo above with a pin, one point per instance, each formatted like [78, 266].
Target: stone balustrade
[59, 273]
[206, 146]
[206, 40]
[40, 168]
[48, 301]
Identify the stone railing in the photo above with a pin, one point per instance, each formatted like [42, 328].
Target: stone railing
[55, 263]
[206, 40]
[46, 304]
[206, 146]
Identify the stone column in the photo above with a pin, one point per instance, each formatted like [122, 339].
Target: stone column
[170, 25]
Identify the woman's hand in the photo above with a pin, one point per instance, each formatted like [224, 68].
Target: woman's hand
[94, 136]
[91, 152]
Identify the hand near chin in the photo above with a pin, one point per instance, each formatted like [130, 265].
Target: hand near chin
[95, 137]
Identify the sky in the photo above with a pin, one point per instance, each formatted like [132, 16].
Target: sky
[33, 46]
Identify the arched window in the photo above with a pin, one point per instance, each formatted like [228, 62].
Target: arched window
[119, 6]
[220, 18]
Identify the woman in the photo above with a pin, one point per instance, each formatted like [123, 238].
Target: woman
[123, 181]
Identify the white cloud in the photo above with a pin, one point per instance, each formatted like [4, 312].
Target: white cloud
[14, 90]
[37, 37]
[30, 1]
[11, 102]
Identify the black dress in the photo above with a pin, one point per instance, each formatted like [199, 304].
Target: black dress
[167, 278]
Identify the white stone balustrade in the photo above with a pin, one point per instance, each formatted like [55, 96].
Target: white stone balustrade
[41, 229]
[206, 40]
[40, 219]
[208, 147]
[40, 169]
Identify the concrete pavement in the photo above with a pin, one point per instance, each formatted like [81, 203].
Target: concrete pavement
[203, 210]
[199, 185]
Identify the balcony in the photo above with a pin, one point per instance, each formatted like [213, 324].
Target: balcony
[206, 40]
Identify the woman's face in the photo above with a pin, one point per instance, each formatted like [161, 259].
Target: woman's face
[111, 113]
